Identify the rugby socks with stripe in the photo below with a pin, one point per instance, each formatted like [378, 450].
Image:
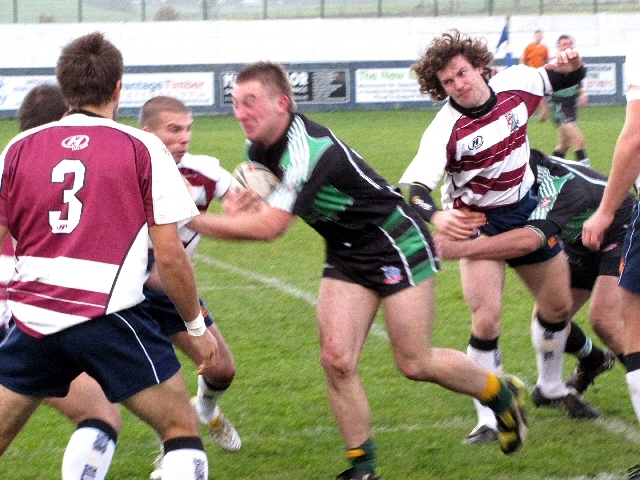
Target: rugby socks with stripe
[184, 459]
[89, 451]
[363, 458]
[549, 341]
[487, 354]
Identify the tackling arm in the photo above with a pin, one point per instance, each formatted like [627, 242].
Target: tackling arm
[511, 244]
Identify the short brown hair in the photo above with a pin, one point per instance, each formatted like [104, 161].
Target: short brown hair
[272, 75]
[440, 51]
[151, 110]
[43, 104]
[88, 70]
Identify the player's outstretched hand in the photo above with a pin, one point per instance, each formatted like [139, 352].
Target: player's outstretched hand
[235, 201]
[458, 223]
[207, 347]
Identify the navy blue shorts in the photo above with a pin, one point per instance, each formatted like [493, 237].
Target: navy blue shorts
[504, 219]
[397, 256]
[159, 306]
[630, 262]
[124, 351]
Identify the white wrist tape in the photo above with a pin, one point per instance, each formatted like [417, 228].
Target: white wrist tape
[196, 327]
[540, 233]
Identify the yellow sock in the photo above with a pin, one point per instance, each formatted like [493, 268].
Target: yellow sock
[491, 390]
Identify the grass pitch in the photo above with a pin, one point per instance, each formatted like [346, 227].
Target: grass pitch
[263, 296]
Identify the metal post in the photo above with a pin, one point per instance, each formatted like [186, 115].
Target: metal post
[143, 10]
[595, 6]
[15, 11]
[541, 7]
[321, 8]
[79, 11]
[205, 13]
[435, 8]
[490, 7]
[379, 8]
[265, 13]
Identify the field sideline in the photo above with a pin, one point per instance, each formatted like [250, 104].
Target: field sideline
[263, 296]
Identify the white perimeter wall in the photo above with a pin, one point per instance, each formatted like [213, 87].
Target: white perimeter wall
[310, 40]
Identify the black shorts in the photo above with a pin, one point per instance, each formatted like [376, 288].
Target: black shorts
[124, 351]
[586, 265]
[399, 255]
[563, 110]
[159, 306]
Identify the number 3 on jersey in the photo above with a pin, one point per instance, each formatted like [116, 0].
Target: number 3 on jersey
[74, 206]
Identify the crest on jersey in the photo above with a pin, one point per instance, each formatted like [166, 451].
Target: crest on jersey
[512, 121]
[76, 142]
[392, 275]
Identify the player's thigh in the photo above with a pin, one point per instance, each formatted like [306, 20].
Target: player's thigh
[166, 408]
[550, 284]
[409, 316]
[85, 401]
[345, 313]
[483, 285]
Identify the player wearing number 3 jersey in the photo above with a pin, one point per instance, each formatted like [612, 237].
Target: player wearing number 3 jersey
[80, 198]
[87, 275]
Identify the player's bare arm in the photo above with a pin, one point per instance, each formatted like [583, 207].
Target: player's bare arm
[511, 244]
[176, 273]
[262, 223]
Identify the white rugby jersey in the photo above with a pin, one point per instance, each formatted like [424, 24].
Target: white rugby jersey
[486, 159]
[208, 180]
[78, 196]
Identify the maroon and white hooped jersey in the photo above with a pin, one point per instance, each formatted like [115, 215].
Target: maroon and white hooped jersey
[486, 159]
[208, 180]
[78, 197]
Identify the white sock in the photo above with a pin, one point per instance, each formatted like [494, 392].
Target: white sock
[185, 463]
[206, 401]
[549, 347]
[633, 384]
[491, 360]
[88, 454]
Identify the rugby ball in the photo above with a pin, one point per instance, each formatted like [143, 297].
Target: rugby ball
[255, 177]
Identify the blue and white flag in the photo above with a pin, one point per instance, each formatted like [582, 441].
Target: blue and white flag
[504, 39]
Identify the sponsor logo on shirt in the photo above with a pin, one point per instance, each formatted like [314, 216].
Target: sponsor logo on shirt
[76, 142]
[476, 143]
[392, 275]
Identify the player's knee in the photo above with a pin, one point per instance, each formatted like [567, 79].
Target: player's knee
[337, 365]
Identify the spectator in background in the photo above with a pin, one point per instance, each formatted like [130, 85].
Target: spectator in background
[536, 54]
